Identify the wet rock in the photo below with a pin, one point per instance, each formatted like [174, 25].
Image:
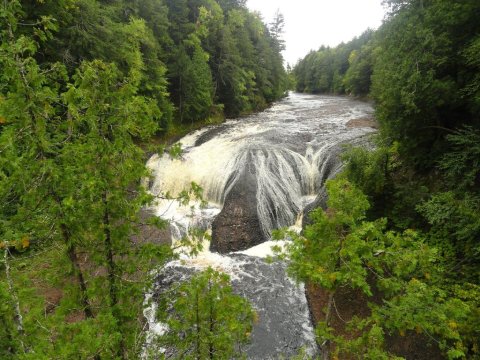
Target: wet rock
[284, 325]
[263, 170]
[363, 122]
[319, 202]
[238, 227]
[211, 133]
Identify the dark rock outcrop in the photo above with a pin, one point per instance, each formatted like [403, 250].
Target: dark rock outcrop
[319, 202]
[237, 227]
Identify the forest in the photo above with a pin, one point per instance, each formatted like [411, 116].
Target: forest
[84, 87]
[87, 89]
[403, 225]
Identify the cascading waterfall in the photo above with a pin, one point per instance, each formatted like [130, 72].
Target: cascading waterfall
[262, 170]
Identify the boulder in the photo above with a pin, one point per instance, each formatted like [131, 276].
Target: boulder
[237, 227]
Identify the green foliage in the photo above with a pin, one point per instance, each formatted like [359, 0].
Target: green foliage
[368, 345]
[314, 257]
[472, 88]
[421, 73]
[71, 172]
[367, 169]
[428, 309]
[453, 212]
[8, 335]
[194, 62]
[341, 249]
[175, 151]
[246, 63]
[205, 319]
[344, 69]
[461, 163]
[450, 221]
[357, 79]
[424, 68]
[217, 61]
[455, 228]
[112, 116]
[70, 178]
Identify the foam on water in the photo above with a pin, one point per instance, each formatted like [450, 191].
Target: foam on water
[291, 148]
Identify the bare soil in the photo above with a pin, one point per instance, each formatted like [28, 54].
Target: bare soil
[151, 234]
[349, 303]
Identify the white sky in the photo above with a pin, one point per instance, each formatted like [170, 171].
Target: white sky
[312, 23]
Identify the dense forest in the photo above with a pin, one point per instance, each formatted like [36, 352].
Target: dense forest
[84, 87]
[403, 224]
[83, 84]
[345, 69]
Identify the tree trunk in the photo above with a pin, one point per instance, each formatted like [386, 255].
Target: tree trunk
[109, 252]
[211, 347]
[72, 255]
[325, 346]
[17, 315]
[198, 329]
[111, 269]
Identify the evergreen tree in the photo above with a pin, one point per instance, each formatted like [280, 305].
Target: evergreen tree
[70, 175]
[341, 249]
[82, 83]
[347, 67]
[421, 73]
[206, 320]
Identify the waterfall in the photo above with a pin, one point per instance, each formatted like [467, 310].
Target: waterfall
[258, 174]
[287, 170]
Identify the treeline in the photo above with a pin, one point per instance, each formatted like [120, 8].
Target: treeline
[403, 227]
[201, 58]
[345, 69]
[82, 84]
[420, 67]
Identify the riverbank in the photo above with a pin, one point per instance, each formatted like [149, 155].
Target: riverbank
[163, 140]
[349, 303]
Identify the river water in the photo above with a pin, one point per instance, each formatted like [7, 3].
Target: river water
[257, 173]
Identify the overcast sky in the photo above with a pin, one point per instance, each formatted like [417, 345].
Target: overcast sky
[312, 23]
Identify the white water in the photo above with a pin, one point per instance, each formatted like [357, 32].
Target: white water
[292, 149]
[288, 147]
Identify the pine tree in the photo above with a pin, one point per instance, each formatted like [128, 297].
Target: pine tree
[71, 176]
[206, 320]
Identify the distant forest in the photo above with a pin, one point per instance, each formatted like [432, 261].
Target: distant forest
[200, 58]
[421, 68]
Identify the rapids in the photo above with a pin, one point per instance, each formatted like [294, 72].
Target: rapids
[258, 173]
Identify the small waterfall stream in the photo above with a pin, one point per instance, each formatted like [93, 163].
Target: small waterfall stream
[258, 173]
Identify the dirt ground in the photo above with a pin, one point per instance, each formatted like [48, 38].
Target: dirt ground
[348, 303]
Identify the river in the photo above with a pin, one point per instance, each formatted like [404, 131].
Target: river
[258, 173]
